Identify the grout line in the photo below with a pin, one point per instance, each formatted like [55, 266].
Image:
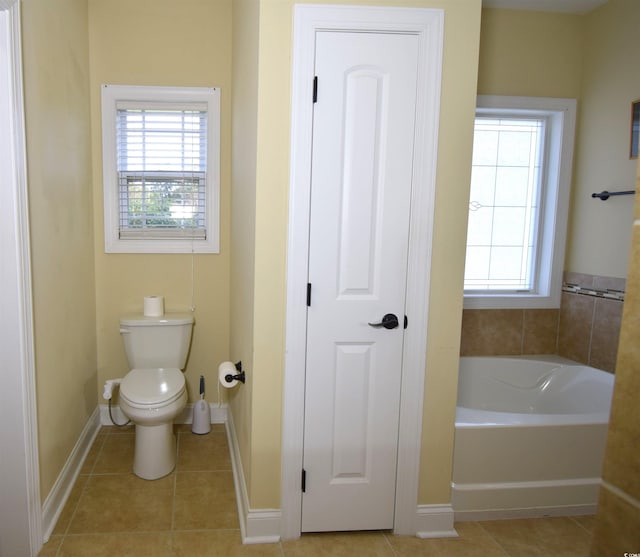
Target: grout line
[175, 482]
[629, 499]
[580, 525]
[495, 540]
[82, 492]
[393, 550]
[593, 322]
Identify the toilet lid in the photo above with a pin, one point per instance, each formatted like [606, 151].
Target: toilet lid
[152, 386]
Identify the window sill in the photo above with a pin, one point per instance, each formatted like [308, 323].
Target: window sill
[161, 246]
[515, 301]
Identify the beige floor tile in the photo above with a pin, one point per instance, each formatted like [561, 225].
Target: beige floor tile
[203, 452]
[410, 546]
[472, 542]
[535, 527]
[219, 543]
[116, 456]
[587, 522]
[468, 547]
[469, 529]
[114, 430]
[92, 455]
[117, 545]
[186, 428]
[50, 549]
[124, 503]
[192, 512]
[70, 506]
[543, 537]
[566, 546]
[205, 500]
[347, 544]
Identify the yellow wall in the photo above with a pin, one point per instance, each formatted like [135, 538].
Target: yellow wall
[243, 211]
[161, 42]
[588, 58]
[124, 48]
[531, 54]
[522, 54]
[611, 46]
[56, 76]
[462, 27]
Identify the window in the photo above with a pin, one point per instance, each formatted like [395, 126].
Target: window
[518, 204]
[161, 169]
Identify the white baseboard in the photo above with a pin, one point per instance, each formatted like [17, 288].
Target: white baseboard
[218, 414]
[256, 526]
[533, 512]
[525, 499]
[60, 491]
[435, 521]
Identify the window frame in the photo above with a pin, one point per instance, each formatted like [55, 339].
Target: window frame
[560, 116]
[154, 95]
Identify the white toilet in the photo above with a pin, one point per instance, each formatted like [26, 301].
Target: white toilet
[154, 392]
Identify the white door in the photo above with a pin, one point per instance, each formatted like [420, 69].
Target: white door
[363, 140]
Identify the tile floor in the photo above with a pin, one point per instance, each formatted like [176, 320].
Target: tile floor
[192, 513]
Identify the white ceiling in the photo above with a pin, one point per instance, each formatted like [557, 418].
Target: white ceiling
[566, 6]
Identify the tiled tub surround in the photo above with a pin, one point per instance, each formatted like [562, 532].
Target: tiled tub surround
[585, 328]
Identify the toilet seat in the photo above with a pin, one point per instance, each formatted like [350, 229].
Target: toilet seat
[149, 388]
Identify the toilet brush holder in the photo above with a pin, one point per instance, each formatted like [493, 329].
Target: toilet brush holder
[201, 422]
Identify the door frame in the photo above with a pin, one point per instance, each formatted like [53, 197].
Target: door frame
[21, 524]
[428, 25]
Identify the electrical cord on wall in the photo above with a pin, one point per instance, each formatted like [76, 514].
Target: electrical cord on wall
[193, 280]
[113, 421]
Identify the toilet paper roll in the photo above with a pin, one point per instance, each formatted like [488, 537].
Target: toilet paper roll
[224, 369]
[153, 306]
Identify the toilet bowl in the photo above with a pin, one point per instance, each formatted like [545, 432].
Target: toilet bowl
[152, 399]
[154, 392]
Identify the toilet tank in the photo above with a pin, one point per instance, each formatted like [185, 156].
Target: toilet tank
[154, 342]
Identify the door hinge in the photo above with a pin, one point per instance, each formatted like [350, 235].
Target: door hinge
[308, 294]
[304, 480]
[315, 89]
[406, 321]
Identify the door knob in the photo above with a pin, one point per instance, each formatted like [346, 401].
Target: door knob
[389, 321]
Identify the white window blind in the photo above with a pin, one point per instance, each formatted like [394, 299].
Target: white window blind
[162, 170]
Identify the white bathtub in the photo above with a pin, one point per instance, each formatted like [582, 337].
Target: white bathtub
[530, 436]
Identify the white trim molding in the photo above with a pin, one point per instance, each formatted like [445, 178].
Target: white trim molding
[256, 525]
[435, 521]
[151, 96]
[525, 499]
[559, 116]
[57, 498]
[21, 512]
[428, 26]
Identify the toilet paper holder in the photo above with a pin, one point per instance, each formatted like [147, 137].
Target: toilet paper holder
[240, 376]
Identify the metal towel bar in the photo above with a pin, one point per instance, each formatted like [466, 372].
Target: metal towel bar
[604, 195]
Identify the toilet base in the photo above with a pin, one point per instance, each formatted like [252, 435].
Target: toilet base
[155, 451]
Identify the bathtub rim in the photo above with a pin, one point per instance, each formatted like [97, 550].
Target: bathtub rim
[476, 418]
